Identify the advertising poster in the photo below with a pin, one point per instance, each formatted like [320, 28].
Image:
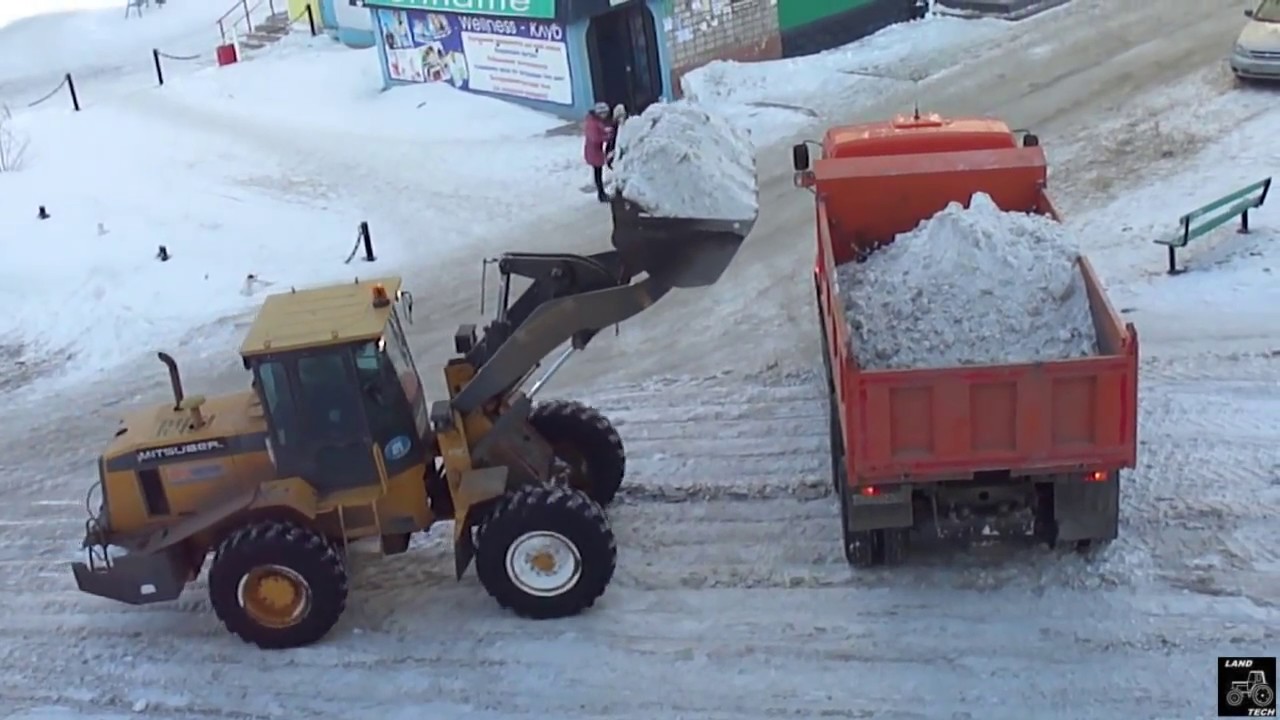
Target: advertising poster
[506, 56]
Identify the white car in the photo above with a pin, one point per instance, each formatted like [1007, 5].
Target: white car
[1256, 55]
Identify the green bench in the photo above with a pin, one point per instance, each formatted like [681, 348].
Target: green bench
[1202, 220]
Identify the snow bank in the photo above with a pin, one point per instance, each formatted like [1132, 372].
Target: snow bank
[680, 160]
[968, 287]
[776, 98]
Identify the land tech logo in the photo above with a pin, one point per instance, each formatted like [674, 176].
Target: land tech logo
[1246, 687]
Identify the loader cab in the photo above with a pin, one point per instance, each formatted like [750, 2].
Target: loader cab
[339, 390]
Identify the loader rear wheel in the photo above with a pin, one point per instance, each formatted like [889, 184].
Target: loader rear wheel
[546, 551]
[588, 450]
[277, 585]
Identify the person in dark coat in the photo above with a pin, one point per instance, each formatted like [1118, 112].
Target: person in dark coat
[598, 133]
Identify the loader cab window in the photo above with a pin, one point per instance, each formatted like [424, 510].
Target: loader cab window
[273, 378]
[389, 404]
[325, 390]
[318, 424]
[397, 347]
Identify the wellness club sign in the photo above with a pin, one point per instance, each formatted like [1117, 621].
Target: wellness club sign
[533, 9]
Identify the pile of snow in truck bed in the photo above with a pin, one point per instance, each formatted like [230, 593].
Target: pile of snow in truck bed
[680, 160]
[969, 286]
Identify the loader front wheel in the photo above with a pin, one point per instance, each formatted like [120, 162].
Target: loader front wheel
[277, 585]
[588, 450]
[546, 551]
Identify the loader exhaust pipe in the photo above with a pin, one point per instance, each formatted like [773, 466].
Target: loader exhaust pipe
[175, 379]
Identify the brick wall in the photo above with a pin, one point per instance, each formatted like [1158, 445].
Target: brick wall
[706, 30]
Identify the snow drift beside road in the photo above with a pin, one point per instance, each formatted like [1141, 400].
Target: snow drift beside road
[776, 98]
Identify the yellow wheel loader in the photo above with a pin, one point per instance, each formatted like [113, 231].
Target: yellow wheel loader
[335, 442]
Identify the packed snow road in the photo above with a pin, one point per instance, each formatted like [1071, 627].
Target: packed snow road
[733, 599]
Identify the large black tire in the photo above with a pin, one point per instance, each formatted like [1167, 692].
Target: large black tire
[565, 520]
[274, 552]
[593, 458]
[871, 548]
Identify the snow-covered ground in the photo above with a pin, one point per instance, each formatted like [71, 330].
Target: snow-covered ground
[41, 40]
[264, 168]
[733, 598]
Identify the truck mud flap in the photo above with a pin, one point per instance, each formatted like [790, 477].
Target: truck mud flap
[889, 508]
[136, 579]
[1087, 510]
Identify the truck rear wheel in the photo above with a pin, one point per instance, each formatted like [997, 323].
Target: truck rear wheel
[546, 551]
[1084, 516]
[874, 548]
[588, 450]
[277, 585]
[870, 548]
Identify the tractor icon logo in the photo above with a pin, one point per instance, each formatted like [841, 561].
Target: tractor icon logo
[1255, 689]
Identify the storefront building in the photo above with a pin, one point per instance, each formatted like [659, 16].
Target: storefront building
[808, 27]
[353, 25]
[701, 31]
[559, 56]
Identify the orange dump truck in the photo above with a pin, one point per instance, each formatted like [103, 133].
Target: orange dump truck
[975, 451]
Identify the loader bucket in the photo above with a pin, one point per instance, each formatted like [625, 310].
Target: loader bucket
[678, 252]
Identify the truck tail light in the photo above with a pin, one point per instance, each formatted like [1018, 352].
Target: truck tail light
[1096, 476]
[870, 490]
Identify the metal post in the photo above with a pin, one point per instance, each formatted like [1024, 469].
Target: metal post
[248, 21]
[155, 57]
[555, 367]
[271, 6]
[222, 32]
[368, 242]
[1244, 223]
[75, 99]
[1173, 261]
[311, 19]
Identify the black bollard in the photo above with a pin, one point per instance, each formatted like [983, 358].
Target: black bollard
[367, 238]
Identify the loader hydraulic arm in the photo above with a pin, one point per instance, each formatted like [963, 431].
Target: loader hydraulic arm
[573, 297]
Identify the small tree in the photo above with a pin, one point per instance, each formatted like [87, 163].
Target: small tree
[13, 144]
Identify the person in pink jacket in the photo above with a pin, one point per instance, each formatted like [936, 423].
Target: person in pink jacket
[598, 131]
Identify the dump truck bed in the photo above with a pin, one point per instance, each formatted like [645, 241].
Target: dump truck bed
[955, 423]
